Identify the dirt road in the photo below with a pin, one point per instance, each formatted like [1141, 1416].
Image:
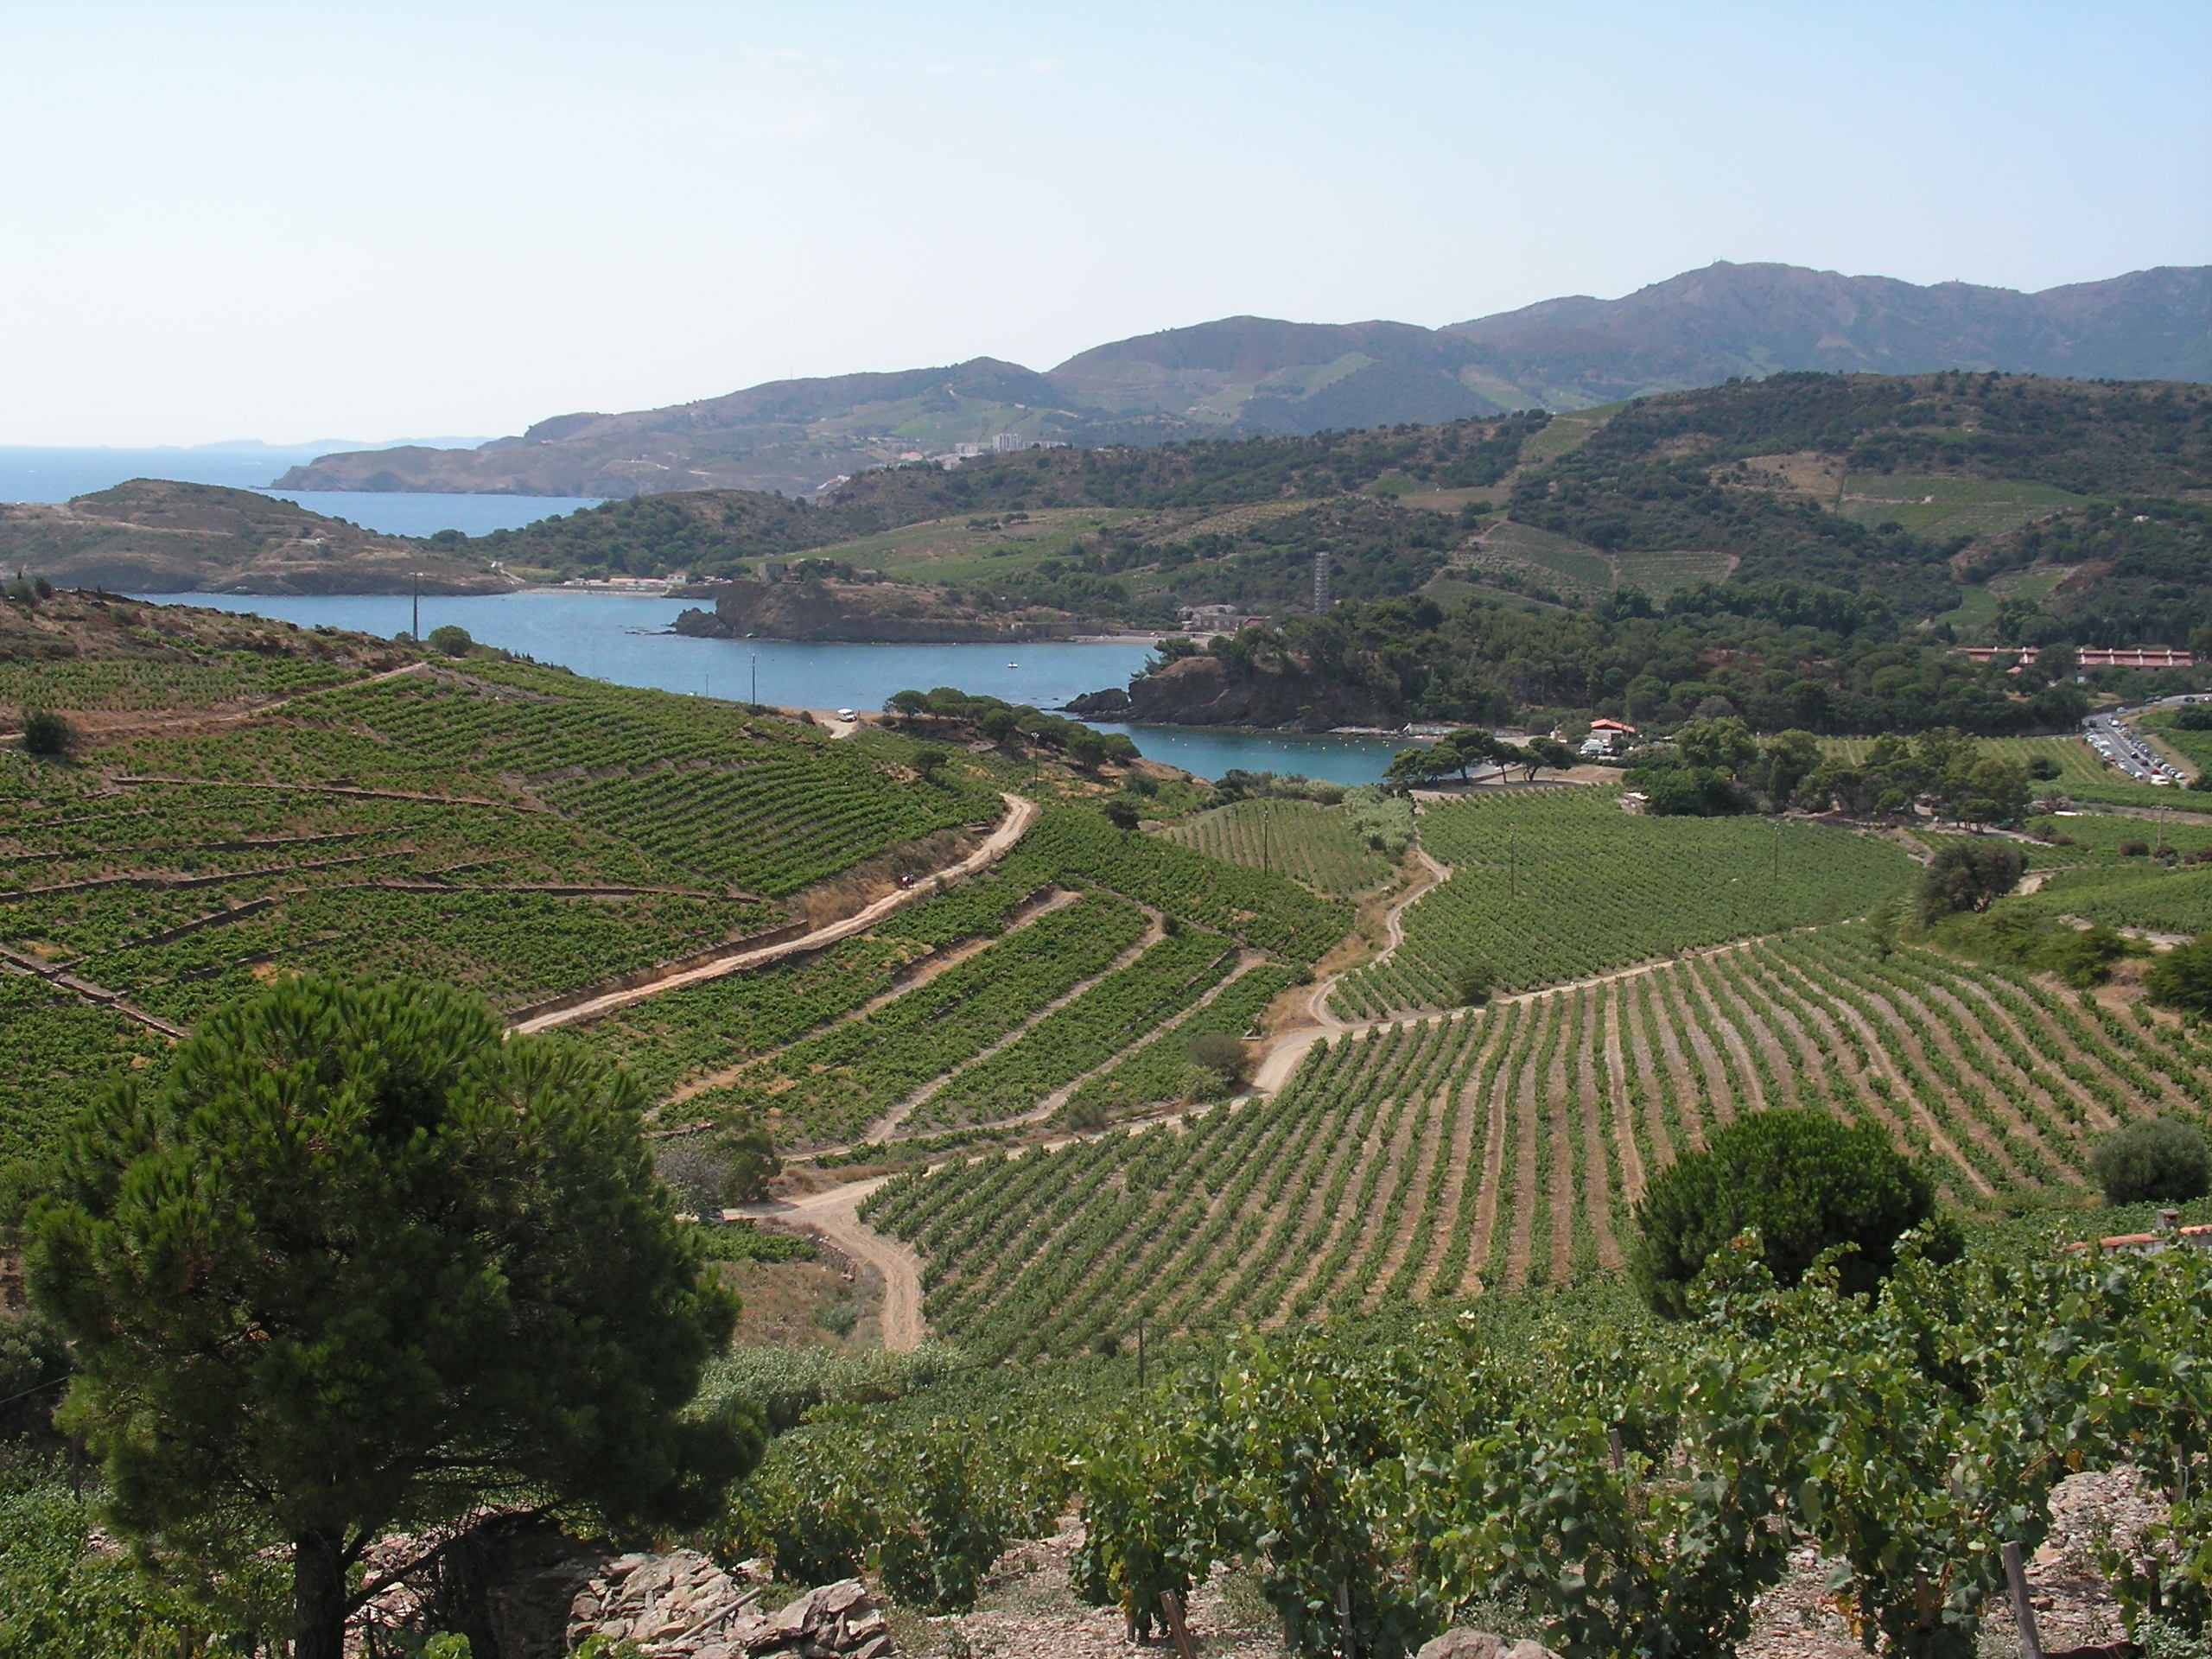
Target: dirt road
[1021, 813]
[835, 1213]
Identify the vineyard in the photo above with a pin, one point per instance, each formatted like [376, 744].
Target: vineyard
[2139, 894]
[1562, 884]
[515, 830]
[1315, 846]
[1434, 1159]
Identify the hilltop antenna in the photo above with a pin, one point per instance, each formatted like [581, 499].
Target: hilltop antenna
[1321, 580]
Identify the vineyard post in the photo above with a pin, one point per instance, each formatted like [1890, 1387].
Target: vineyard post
[1178, 1631]
[2022, 1610]
[1140, 1366]
[1343, 1618]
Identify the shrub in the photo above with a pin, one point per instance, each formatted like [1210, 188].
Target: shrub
[1473, 983]
[450, 641]
[2135, 849]
[1805, 1182]
[2182, 979]
[1221, 1054]
[47, 733]
[1966, 875]
[2154, 1160]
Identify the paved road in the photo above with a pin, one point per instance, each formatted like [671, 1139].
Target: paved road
[2114, 739]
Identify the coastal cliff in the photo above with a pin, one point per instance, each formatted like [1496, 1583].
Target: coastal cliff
[1202, 691]
[856, 612]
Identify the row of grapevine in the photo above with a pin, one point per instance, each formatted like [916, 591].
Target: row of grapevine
[1434, 1159]
[1078, 1039]
[831, 1085]
[122, 686]
[1268, 912]
[1159, 1072]
[1563, 884]
[1315, 845]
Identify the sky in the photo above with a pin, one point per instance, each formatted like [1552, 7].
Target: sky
[367, 219]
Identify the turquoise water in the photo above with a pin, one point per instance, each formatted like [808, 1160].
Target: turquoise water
[625, 639]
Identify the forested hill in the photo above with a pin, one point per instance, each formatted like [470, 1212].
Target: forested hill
[1245, 376]
[2006, 508]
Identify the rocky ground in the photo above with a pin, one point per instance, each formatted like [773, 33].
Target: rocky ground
[1027, 1611]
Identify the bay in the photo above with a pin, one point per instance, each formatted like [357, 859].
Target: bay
[625, 640]
[30, 473]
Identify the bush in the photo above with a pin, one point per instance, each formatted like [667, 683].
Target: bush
[2182, 979]
[2135, 849]
[450, 641]
[1473, 983]
[1965, 876]
[2194, 717]
[47, 733]
[2154, 1160]
[1222, 1055]
[1805, 1182]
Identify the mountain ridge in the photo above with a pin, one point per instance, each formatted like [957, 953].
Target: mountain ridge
[1250, 376]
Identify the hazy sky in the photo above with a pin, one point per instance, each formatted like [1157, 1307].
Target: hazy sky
[366, 219]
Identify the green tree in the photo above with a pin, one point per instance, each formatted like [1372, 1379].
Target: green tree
[450, 640]
[1802, 1181]
[2182, 979]
[1550, 752]
[2154, 1160]
[1472, 984]
[1122, 814]
[357, 1262]
[929, 761]
[1220, 1053]
[1724, 745]
[1968, 876]
[46, 733]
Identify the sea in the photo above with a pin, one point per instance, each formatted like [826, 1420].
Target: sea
[57, 475]
[628, 639]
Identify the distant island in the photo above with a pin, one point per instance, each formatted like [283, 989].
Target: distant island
[1244, 377]
[154, 536]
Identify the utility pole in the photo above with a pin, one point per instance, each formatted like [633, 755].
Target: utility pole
[1141, 1364]
[415, 628]
[756, 679]
[1513, 863]
[1778, 847]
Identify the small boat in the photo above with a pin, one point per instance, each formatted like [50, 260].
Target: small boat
[1014, 664]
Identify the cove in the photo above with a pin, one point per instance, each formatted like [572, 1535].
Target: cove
[625, 640]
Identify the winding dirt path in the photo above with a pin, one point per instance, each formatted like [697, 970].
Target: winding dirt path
[1021, 813]
[835, 1213]
[1288, 1048]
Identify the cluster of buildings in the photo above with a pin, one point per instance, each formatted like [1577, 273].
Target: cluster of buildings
[2092, 656]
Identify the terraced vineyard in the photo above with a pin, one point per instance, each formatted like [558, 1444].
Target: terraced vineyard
[57, 1052]
[1432, 1159]
[1562, 884]
[1313, 845]
[519, 830]
[2138, 894]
